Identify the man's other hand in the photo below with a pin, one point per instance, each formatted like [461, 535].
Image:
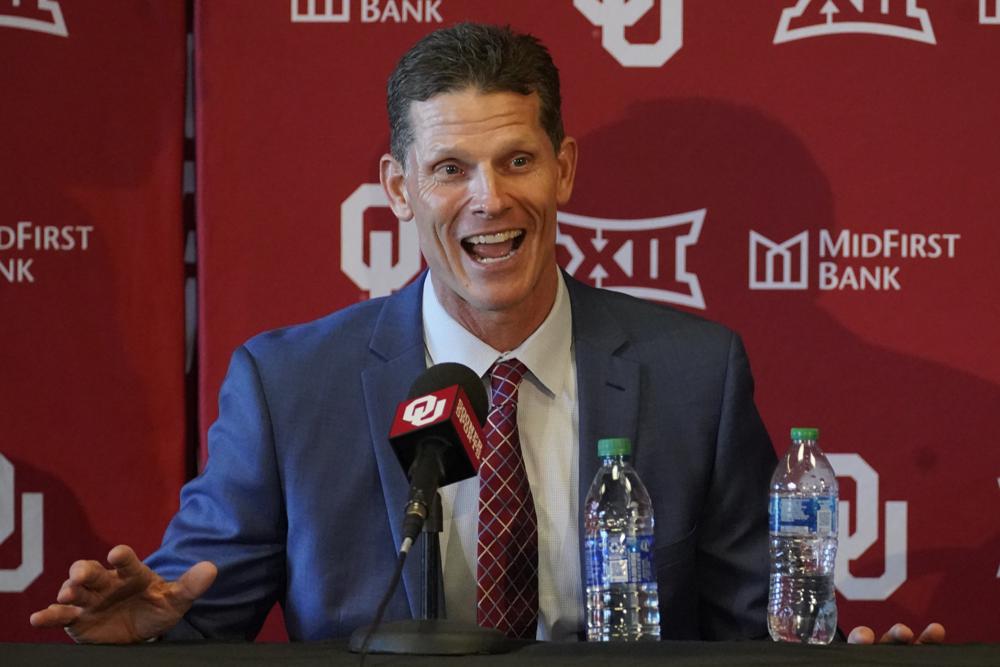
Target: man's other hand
[126, 603]
[898, 634]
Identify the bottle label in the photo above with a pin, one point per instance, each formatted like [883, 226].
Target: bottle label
[803, 516]
[616, 559]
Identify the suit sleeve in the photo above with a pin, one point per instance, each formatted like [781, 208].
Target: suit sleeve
[233, 515]
[732, 545]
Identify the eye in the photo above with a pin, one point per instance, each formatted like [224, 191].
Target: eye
[520, 162]
[448, 170]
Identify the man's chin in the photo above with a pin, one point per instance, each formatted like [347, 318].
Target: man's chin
[496, 303]
[503, 292]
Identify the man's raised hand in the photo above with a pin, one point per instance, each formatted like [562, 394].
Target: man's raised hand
[127, 603]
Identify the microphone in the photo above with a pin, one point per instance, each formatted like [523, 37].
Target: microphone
[437, 436]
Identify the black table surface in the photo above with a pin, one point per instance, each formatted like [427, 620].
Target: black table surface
[655, 653]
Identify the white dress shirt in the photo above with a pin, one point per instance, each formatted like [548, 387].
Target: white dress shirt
[548, 425]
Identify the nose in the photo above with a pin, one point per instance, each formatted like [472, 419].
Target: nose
[489, 195]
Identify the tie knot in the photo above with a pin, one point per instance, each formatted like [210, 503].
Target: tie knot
[505, 376]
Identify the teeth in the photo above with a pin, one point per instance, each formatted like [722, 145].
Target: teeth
[499, 237]
[490, 260]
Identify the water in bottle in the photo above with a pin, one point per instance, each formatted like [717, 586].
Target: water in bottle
[622, 600]
[803, 516]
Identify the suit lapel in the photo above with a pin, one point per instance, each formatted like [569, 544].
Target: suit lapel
[397, 358]
[607, 384]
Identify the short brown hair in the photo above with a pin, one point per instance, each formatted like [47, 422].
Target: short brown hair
[472, 55]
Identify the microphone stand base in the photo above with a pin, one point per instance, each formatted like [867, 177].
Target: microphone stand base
[432, 637]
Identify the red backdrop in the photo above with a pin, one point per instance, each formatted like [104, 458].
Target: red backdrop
[833, 119]
[821, 175]
[91, 273]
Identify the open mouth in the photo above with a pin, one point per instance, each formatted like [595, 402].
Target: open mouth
[489, 248]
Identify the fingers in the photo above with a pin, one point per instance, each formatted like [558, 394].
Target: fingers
[861, 635]
[123, 604]
[80, 596]
[932, 634]
[901, 634]
[130, 575]
[897, 634]
[125, 562]
[87, 573]
[87, 584]
[193, 583]
[55, 616]
[74, 595]
[90, 583]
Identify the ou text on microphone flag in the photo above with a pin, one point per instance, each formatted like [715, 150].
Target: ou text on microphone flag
[448, 415]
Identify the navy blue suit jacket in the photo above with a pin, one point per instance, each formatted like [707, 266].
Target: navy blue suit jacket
[301, 500]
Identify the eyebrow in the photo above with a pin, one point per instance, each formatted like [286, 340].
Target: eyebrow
[436, 152]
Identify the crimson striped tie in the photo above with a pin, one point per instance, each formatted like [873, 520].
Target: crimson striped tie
[507, 570]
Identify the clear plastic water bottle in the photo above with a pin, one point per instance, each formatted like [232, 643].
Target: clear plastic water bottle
[802, 606]
[622, 601]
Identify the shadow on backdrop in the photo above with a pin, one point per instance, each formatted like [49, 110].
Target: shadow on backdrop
[919, 424]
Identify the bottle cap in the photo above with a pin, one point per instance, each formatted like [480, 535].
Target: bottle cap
[801, 433]
[614, 447]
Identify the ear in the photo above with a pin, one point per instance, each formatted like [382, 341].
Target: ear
[393, 180]
[566, 157]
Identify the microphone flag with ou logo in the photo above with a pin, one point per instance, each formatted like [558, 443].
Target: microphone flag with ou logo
[444, 415]
[424, 410]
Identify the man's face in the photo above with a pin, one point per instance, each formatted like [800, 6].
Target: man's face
[483, 182]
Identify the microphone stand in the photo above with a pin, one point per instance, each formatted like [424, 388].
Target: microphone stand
[431, 635]
[432, 559]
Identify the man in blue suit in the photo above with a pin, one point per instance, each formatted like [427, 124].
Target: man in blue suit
[301, 501]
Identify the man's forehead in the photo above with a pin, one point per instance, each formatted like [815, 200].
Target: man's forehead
[470, 112]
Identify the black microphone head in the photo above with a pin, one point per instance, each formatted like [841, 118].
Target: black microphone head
[440, 376]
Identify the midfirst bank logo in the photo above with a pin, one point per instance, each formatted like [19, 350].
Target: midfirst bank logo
[38, 16]
[847, 260]
[368, 11]
[32, 556]
[613, 16]
[904, 19]
[424, 410]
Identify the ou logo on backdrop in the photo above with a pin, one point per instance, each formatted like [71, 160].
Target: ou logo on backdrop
[379, 276]
[851, 546]
[424, 410]
[32, 557]
[613, 16]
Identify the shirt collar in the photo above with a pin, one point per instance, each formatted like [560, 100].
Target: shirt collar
[546, 352]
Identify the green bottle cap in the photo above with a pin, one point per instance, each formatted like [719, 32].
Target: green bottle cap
[614, 447]
[801, 433]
